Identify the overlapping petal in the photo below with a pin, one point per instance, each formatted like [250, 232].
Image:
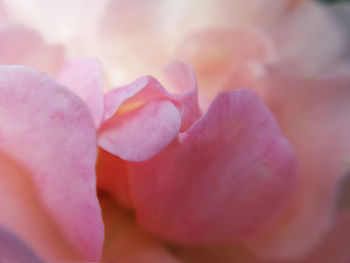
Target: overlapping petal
[49, 131]
[126, 242]
[313, 113]
[211, 184]
[14, 250]
[22, 45]
[84, 77]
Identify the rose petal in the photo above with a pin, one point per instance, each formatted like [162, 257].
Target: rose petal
[112, 177]
[35, 53]
[309, 40]
[318, 127]
[216, 53]
[51, 133]
[23, 214]
[13, 249]
[126, 243]
[133, 95]
[230, 168]
[84, 78]
[141, 133]
[183, 80]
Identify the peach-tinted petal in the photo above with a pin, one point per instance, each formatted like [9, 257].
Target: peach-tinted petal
[139, 134]
[126, 243]
[35, 52]
[23, 213]
[230, 168]
[317, 125]
[14, 250]
[333, 247]
[48, 130]
[84, 78]
[182, 79]
[217, 53]
[112, 177]
[308, 38]
[341, 13]
[133, 95]
[141, 119]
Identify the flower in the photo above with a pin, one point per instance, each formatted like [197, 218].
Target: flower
[251, 167]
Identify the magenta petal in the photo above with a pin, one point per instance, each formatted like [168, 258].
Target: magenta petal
[84, 78]
[226, 177]
[14, 250]
[49, 131]
[141, 133]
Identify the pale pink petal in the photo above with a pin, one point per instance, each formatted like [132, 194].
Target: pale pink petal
[139, 134]
[126, 243]
[133, 95]
[313, 113]
[23, 214]
[334, 246]
[48, 130]
[84, 78]
[182, 78]
[218, 53]
[21, 45]
[308, 38]
[14, 250]
[341, 13]
[229, 169]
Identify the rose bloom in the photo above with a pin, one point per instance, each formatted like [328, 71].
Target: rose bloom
[200, 131]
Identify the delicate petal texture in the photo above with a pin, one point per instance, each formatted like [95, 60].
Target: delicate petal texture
[217, 53]
[24, 215]
[199, 189]
[133, 95]
[182, 78]
[139, 134]
[51, 133]
[308, 39]
[84, 78]
[35, 52]
[126, 243]
[318, 127]
[334, 246]
[14, 250]
[141, 119]
[76, 18]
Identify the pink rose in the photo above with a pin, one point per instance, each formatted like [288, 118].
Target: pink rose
[254, 170]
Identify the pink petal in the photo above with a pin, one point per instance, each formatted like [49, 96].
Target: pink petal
[126, 243]
[141, 119]
[23, 214]
[308, 38]
[141, 133]
[112, 177]
[13, 249]
[216, 53]
[333, 248]
[183, 80]
[229, 169]
[134, 94]
[35, 52]
[318, 127]
[49, 131]
[84, 78]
